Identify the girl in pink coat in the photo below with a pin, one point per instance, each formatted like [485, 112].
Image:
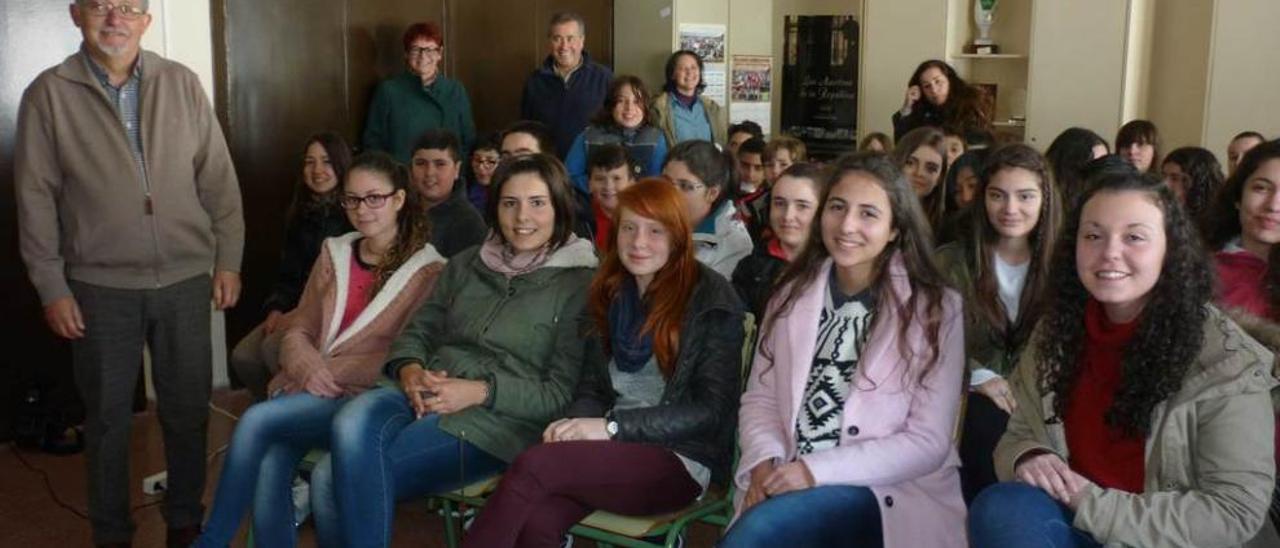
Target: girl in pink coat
[846, 425]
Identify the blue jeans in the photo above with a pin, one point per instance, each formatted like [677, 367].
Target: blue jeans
[1014, 514]
[831, 515]
[381, 455]
[269, 441]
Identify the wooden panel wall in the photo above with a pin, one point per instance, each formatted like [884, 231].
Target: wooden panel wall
[31, 353]
[287, 68]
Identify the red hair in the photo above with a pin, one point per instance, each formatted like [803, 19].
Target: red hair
[668, 294]
[428, 31]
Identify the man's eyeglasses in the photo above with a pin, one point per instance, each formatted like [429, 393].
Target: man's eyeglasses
[125, 11]
[373, 201]
[417, 52]
[688, 187]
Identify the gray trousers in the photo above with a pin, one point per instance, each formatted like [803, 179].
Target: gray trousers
[173, 321]
[256, 359]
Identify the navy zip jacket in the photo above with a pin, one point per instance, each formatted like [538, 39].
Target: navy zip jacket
[565, 107]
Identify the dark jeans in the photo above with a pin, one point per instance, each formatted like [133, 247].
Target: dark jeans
[829, 515]
[379, 455]
[552, 486]
[984, 423]
[1016, 515]
[173, 322]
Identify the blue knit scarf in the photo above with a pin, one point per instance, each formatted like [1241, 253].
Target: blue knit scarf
[626, 317]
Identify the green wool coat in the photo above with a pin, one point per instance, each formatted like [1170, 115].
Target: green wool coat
[402, 110]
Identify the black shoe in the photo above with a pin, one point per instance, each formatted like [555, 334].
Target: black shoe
[182, 537]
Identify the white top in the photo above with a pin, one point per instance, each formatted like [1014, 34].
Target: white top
[1010, 279]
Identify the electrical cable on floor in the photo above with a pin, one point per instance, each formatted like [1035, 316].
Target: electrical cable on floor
[224, 412]
[53, 494]
[48, 485]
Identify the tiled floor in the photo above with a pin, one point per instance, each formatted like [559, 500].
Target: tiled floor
[29, 517]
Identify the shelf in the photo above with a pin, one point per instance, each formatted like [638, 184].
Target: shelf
[988, 56]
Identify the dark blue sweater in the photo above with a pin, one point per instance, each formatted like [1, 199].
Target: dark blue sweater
[565, 107]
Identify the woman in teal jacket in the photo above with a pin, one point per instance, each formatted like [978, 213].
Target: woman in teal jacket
[408, 104]
[482, 368]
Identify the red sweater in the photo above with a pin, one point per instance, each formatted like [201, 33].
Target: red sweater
[1242, 282]
[604, 226]
[358, 290]
[1100, 452]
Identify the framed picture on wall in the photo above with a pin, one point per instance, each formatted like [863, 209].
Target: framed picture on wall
[820, 83]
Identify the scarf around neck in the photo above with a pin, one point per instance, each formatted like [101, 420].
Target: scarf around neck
[627, 313]
[500, 257]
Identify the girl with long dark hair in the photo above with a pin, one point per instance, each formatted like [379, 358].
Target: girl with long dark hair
[937, 96]
[362, 290]
[846, 426]
[1001, 267]
[313, 215]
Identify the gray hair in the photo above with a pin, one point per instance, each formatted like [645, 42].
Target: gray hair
[562, 17]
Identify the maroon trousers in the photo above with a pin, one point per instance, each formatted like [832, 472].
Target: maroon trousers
[552, 486]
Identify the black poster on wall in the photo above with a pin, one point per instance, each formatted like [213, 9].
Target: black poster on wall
[820, 83]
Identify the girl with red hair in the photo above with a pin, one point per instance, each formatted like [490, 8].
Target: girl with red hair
[647, 432]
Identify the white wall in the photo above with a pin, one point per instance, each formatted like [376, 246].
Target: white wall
[896, 36]
[1074, 81]
[1178, 71]
[642, 32]
[1244, 83]
[181, 30]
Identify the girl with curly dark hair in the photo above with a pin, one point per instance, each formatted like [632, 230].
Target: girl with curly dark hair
[1194, 175]
[1137, 399]
[846, 425]
[1001, 267]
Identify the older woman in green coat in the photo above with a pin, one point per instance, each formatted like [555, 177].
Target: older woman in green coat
[410, 103]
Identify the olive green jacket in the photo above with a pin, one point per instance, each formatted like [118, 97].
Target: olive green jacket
[1209, 460]
[985, 345]
[524, 335]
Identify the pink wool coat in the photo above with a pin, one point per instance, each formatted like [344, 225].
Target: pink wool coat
[895, 439]
[353, 355]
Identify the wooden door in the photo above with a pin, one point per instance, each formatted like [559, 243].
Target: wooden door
[41, 37]
[281, 72]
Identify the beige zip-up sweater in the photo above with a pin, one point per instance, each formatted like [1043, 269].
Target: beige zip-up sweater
[1209, 469]
[82, 204]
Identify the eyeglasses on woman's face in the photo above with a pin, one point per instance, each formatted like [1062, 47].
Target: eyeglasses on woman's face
[372, 201]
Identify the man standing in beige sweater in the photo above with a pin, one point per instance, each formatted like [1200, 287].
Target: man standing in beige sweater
[127, 201]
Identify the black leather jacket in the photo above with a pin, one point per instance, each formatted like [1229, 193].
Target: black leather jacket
[699, 409]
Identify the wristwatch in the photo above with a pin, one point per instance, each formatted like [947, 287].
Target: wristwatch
[610, 425]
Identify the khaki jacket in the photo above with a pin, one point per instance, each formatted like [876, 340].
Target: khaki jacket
[1209, 467]
[82, 204]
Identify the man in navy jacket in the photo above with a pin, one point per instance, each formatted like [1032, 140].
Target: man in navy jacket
[569, 88]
